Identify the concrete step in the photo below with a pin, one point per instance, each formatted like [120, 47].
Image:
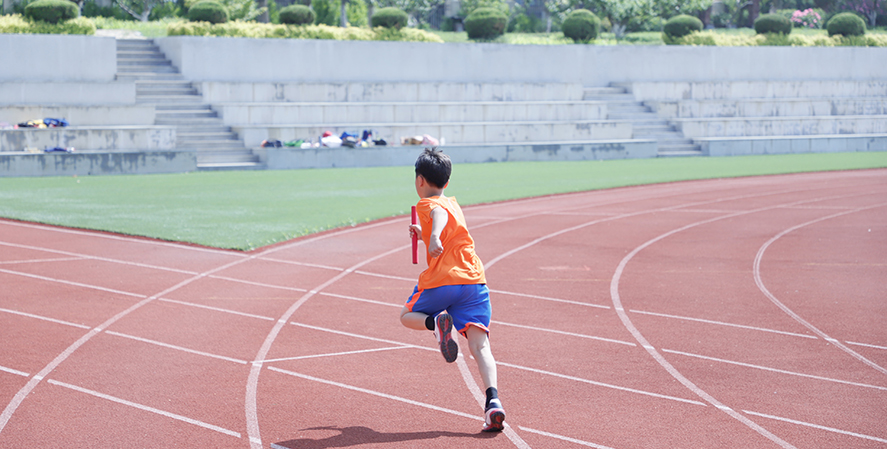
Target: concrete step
[145, 93]
[190, 122]
[609, 90]
[182, 107]
[155, 64]
[193, 136]
[165, 99]
[185, 114]
[206, 166]
[217, 144]
[130, 55]
[160, 69]
[678, 153]
[609, 97]
[185, 131]
[148, 76]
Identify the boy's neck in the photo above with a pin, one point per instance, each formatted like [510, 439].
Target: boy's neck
[434, 193]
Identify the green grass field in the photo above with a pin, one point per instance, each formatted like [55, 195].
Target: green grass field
[249, 209]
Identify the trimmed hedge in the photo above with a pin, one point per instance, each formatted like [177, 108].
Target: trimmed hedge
[846, 24]
[390, 17]
[297, 15]
[268, 30]
[16, 24]
[485, 23]
[794, 40]
[680, 26]
[581, 25]
[208, 11]
[52, 11]
[773, 23]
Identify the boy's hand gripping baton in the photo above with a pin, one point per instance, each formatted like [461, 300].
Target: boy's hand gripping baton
[415, 220]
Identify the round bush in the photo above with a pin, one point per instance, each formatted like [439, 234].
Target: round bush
[773, 23]
[681, 25]
[52, 11]
[208, 11]
[846, 24]
[297, 15]
[390, 17]
[485, 23]
[581, 25]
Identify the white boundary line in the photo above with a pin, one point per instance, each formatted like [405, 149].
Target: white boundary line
[57, 259]
[375, 393]
[103, 259]
[775, 370]
[561, 437]
[571, 334]
[816, 426]
[721, 323]
[14, 371]
[75, 284]
[866, 345]
[760, 283]
[332, 354]
[146, 408]
[178, 348]
[51, 320]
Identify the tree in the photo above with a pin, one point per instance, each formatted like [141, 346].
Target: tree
[670, 8]
[140, 9]
[868, 8]
[621, 11]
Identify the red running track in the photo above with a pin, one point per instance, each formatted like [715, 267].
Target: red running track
[723, 313]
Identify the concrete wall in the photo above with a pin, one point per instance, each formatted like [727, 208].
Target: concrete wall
[742, 146]
[41, 57]
[103, 115]
[105, 138]
[290, 158]
[70, 164]
[285, 60]
[67, 93]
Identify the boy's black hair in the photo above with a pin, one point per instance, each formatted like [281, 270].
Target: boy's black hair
[435, 167]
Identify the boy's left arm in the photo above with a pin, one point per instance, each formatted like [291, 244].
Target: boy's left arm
[439, 219]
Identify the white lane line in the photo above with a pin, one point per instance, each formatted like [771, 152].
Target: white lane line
[376, 393]
[178, 348]
[332, 354]
[790, 312]
[14, 371]
[721, 323]
[563, 438]
[364, 337]
[23, 393]
[75, 284]
[546, 298]
[626, 321]
[386, 276]
[99, 234]
[146, 408]
[51, 320]
[259, 284]
[866, 345]
[80, 256]
[216, 309]
[571, 334]
[481, 400]
[354, 298]
[600, 384]
[303, 264]
[57, 259]
[252, 385]
[816, 426]
[775, 370]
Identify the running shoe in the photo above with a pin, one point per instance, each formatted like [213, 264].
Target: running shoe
[443, 329]
[494, 417]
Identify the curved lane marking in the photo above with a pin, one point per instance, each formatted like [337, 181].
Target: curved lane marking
[760, 283]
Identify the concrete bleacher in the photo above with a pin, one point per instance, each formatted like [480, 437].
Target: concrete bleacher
[770, 117]
[483, 102]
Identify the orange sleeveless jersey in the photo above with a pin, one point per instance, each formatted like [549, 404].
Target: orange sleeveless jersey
[458, 264]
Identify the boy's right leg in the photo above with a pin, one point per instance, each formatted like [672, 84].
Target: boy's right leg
[441, 325]
[479, 345]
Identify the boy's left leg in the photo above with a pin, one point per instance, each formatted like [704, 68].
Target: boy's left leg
[479, 345]
[441, 325]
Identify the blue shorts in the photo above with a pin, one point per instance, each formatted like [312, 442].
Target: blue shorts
[468, 304]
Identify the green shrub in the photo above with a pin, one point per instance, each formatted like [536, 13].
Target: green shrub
[208, 11]
[680, 26]
[52, 11]
[485, 23]
[267, 30]
[846, 24]
[297, 15]
[390, 17]
[582, 26]
[773, 23]
[16, 24]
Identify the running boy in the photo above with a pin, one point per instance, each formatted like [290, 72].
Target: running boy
[453, 289]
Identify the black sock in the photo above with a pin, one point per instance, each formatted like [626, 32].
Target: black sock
[492, 393]
[429, 322]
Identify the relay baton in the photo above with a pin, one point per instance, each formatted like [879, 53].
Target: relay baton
[415, 220]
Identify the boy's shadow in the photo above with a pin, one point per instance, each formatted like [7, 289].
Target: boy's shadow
[355, 435]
